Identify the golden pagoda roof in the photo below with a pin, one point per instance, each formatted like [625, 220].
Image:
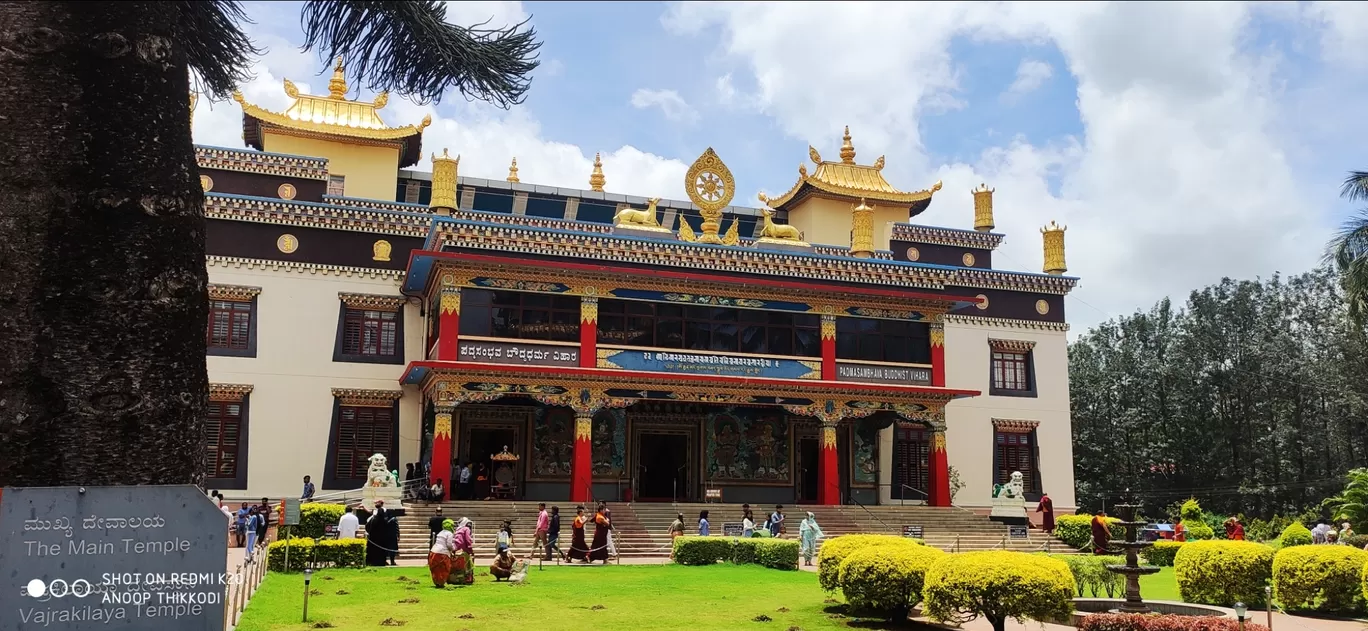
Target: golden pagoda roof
[850, 180]
[332, 115]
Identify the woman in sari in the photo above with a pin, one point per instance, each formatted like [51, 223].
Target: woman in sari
[676, 530]
[463, 544]
[598, 550]
[439, 557]
[579, 550]
[808, 534]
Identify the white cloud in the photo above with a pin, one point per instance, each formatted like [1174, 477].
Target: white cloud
[673, 106]
[472, 12]
[487, 138]
[1178, 178]
[1344, 24]
[1030, 75]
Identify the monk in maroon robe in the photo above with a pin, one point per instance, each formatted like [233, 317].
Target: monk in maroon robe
[1046, 510]
[1101, 534]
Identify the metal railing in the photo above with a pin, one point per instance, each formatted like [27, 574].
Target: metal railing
[247, 577]
[870, 513]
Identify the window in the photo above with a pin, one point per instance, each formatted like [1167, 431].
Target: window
[894, 341]
[520, 315]
[660, 325]
[230, 326]
[336, 185]
[1012, 374]
[1015, 451]
[911, 459]
[370, 329]
[361, 433]
[222, 439]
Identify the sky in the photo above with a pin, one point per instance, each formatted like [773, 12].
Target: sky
[1180, 143]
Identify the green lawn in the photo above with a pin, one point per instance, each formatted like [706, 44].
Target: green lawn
[1161, 586]
[613, 597]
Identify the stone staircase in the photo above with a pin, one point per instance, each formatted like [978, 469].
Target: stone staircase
[642, 529]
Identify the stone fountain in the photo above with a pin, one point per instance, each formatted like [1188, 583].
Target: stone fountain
[1132, 569]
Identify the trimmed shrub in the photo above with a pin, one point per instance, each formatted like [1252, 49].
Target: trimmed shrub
[314, 517]
[1223, 572]
[836, 549]
[338, 552]
[998, 585]
[1355, 541]
[886, 581]
[1162, 553]
[1190, 511]
[1076, 530]
[779, 554]
[1197, 531]
[301, 552]
[1320, 578]
[1294, 535]
[1090, 574]
[1150, 622]
[693, 550]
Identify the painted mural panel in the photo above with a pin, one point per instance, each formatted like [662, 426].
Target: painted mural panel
[865, 465]
[610, 443]
[553, 443]
[748, 445]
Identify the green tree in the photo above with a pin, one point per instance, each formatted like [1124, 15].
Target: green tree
[1352, 503]
[103, 305]
[1348, 250]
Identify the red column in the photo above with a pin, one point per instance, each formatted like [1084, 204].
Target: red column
[448, 347]
[937, 354]
[588, 332]
[829, 347]
[582, 463]
[940, 471]
[829, 475]
[441, 450]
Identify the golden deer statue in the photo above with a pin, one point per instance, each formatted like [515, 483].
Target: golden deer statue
[638, 217]
[778, 232]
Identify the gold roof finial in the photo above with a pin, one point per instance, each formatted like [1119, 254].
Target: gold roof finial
[513, 172]
[983, 208]
[194, 98]
[337, 87]
[596, 179]
[847, 149]
[444, 170]
[1053, 238]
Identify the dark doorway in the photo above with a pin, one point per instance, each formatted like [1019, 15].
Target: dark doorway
[663, 465]
[487, 442]
[911, 455]
[807, 470]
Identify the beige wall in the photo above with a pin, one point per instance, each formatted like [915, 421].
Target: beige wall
[828, 221]
[969, 428]
[293, 374]
[372, 172]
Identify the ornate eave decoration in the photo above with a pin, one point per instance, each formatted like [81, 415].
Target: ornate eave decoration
[222, 159]
[229, 392]
[334, 116]
[1005, 323]
[504, 456]
[372, 302]
[238, 293]
[847, 180]
[311, 215]
[1016, 426]
[233, 262]
[1011, 346]
[367, 398]
[946, 236]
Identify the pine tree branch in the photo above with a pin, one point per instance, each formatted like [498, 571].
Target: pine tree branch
[217, 49]
[409, 48]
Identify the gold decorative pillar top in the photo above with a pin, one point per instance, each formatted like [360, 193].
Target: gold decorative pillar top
[589, 310]
[451, 300]
[847, 149]
[937, 334]
[441, 427]
[983, 208]
[1053, 238]
[513, 172]
[938, 439]
[596, 179]
[584, 425]
[337, 86]
[828, 327]
[444, 171]
[862, 230]
[828, 435]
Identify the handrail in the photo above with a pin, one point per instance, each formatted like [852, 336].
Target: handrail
[903, 497]
[871, 513]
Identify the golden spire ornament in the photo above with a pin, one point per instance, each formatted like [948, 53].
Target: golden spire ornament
[1053, 241]
[983, 208]
[847, 149]
[710, 186]
[596, 179]
[444, 169]
[513, 172]
[337, 86]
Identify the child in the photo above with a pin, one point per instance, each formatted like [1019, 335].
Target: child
[505, 541]
[253, 526]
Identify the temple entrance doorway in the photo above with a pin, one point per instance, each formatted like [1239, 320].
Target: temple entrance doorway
[911, 460]
[484, 430]
[662, 465]
[808, 466]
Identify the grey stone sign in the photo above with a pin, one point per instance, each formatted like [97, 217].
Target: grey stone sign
[150, 558]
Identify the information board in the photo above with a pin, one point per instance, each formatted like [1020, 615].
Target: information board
[1017, 532]
[151, 558]
[733, 530]
[913, 531]
[291, 512]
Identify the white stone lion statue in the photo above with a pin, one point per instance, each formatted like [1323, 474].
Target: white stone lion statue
[379, 473]
[1017, 486]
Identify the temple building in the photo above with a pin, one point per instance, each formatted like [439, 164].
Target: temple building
[818, 346]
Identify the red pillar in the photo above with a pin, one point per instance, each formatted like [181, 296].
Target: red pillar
[448, 347]
[940, 471]
[441, 450]
[829, 348]
[937, 354]
[829, 475]
[588, 332]
[582, 463]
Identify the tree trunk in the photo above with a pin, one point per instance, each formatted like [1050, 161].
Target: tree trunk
[102, 296]
[999, 622]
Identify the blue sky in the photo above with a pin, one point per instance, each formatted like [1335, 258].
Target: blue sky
[1180, 142]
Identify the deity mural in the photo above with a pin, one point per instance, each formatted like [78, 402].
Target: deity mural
[865, 465]
[748, 445]
[553, 442]
[609, 441]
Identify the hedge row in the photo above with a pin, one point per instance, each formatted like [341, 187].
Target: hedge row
[1076, 530]
[1144, 622]
[780, 554]
[886, 581]
[1090, 574]
[306, 552]
[997, 585]
[1328, 579]
[835, 550]
[1222, 573]
[1161, 553]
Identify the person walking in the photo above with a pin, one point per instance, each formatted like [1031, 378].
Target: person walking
[543, 525]
[240, 525]
[308, 493]
[348, 524]
[747, 525]
[553, 533]
[440, 554]
[676, 530]
[579, 550]
[776, 522]
[808, 534]
[463, 564]
[598, 550]
[464, 483]
[253, 531]
[1101, 533]
[435, 526]
[703, 523]
[505, 537]
[264, 509]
